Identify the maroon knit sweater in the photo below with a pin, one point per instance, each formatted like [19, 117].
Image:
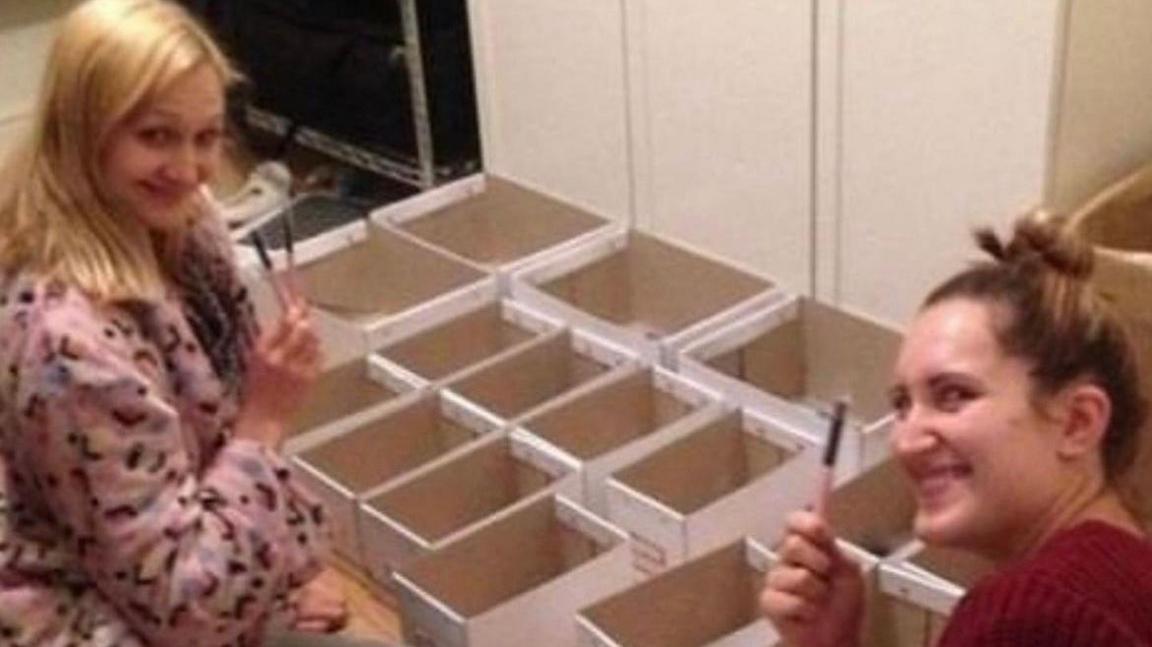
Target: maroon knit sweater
[1089, 586]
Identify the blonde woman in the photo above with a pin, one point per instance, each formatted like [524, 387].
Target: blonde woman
[142, 501]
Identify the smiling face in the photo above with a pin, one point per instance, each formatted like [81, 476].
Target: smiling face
[983, 461]
[157, 158]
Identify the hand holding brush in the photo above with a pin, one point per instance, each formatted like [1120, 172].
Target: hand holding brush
[814, 594]
[827, 474]
[284, 293]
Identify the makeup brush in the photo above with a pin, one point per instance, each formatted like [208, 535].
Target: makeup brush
[269, 269]
[288, 228]
[828, 462]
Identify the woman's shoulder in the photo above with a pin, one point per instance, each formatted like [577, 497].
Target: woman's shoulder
[32, 301]
[44, 316]
[1092, 551]
[1094, 559]
[1091, 578]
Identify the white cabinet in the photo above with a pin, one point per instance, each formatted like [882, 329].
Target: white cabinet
[721, 96]
[944, 113]
[1104, 129]
[26, 30]
[844, 148]
[550, 78]
[953, 115]
[690, 120]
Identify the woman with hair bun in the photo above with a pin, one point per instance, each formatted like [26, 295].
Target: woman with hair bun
[142, 501]
[1018, 410]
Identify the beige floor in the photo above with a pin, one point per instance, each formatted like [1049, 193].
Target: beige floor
[373, 611]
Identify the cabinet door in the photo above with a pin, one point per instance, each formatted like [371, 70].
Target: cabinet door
[26, 31]
[1105, 101]
[721, 107]
[946, 110]
[550, 85]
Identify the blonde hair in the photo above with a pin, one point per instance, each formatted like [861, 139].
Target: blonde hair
[110, 57]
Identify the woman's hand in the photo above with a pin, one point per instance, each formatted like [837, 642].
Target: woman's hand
[814, 595]
[320, 606]
[281, 367]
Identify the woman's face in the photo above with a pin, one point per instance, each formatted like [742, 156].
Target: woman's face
[157, 158]
[982, 459]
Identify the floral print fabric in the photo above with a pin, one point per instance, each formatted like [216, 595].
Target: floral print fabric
[129, 515]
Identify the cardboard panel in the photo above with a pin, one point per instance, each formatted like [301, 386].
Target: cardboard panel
[958, 567]
[528, 377]
[389, 446]
[793, 359]
[396, 440]
[774, 362]
[443, 350]
[611, 416]
[816, 356]
[848, 354]
[698, 603]
[731, 477]
[891, 622]
[383, 275]
[931, 579]
[459, 492]
[619, 421]
[916, 594]
[502, 224]
[874, 510]
[651, 295]
[655, 287]
[519, 577]
[428, 507]
[704, 467]
[339, 392]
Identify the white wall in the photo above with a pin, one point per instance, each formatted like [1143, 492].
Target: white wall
[722, 112]
[26, 29]
[1105, 122]
[945, 110]
[928, 117]
[552, 97]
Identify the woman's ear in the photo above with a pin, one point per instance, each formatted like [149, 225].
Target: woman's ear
[1087, 412]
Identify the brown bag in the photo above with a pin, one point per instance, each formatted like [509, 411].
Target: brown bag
[1118, 223]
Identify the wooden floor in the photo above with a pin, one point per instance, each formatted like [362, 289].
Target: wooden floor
[372, 610]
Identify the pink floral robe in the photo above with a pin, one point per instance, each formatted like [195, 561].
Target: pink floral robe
[128, 513]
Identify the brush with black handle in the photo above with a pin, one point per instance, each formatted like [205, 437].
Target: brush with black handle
[828, 462]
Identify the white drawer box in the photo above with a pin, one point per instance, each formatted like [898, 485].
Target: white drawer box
[344, 462]
[517, 580]
[737, 476]
[431, 506]
[515, 383]
[443, 350]
[619, 421]
[641, 291]
[491, 222]
[709, 601]
[792, 360]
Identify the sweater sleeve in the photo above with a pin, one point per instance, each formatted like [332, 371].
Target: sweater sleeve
[1024, 612]
[187, 555]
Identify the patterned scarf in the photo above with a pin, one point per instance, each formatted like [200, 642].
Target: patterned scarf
[221, 321]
